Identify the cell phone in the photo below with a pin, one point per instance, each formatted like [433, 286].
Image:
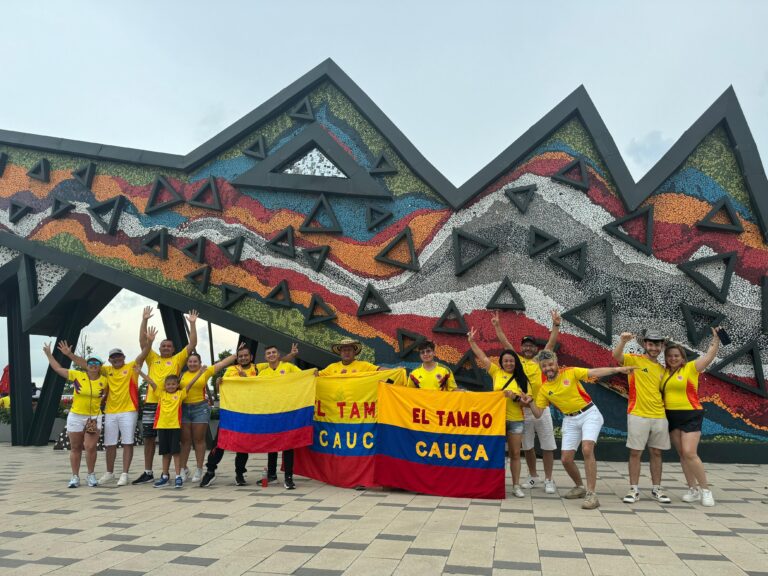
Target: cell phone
[725, 339]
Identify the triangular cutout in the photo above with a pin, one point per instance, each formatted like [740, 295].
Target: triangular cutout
[752, 349]
[209, 189]
[162, 188]
[375, 216]
[698, 330]
[451, 315]
[114, 206]
[382, 167]
[302, 110]
[719, 293]
[505, 290]
[561, 259]
[471, 376]
[606, 302]
[280, 295]
[311, 163]
[17, 210]
[85, 174]
[312, 317]
[230, 295]
[407, 342]
[3, 162]
[156, 243]
[283, 242]
[201, 278]
[539, 241]
[316, 256]
[522, 196]
[195, 249]
[614, 229]
[257, 150]
[60, 208]
[722, 206]
[321, 207]
[463, 239]
[41, 171]
[233, 249]
[579, 175]
[269, 173]
[372, 302]
[413, 261]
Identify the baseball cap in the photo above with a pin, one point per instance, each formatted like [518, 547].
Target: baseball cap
[99, 360]
[115, 351]
[530, 339]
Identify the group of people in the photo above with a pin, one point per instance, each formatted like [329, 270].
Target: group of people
[663, 407]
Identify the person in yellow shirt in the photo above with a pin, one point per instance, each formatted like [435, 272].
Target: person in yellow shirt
[89, 390]
[646, 419]
[582, 421]
[510, 378]
[348, 349]
[5, 402]
[431, 375]
[532, 427]
[158, 367]
[685, 414]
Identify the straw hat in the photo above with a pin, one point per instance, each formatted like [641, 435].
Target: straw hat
[336, 348]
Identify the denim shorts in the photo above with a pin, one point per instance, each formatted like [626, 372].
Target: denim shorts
[197, 413]
[515, 426]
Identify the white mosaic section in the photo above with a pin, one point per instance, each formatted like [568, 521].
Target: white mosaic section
[6, 255]
[48, 275]
[315, 163]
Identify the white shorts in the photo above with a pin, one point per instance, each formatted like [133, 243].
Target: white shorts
[121, 424]
[541, 427]
[584, 426]
[651, 432]
[76, 422]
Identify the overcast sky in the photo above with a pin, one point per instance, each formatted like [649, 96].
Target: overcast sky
[462, 80]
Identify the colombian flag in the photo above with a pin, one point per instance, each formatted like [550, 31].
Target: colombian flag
[266, 414]
[344, 437]
[441, 443]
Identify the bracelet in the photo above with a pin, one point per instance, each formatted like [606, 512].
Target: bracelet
[558, 324]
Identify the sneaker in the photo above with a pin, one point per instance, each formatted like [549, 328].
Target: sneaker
[271, 477]
[179, 482]
[289, 485]
[208, 479]
[631, 497]
[92, 482]
[74, 482]
[549, 487]
[123, 480]
[659, 496]
[693, 495]
[590, 502]
[240, 480]
[575, 493]
[198, 475]
[706, 498]
[107, 478]
[532, 482]
[184, 473]
[164, 481]
[517, 491]
[144, 478]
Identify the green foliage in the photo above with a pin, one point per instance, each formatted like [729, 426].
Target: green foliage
[5, 416]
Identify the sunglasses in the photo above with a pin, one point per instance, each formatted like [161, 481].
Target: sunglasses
[94, 363]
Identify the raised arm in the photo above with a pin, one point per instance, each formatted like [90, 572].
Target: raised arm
[55, 366]
[66, 349]
[192, 319]
[482, 359]
[149, 338]
[600, 372]
[148, 379]
[618, 350]
[145, 316]
[229, 360]
[291, 356]
[702, 362]
[555, 331]
[502, 338]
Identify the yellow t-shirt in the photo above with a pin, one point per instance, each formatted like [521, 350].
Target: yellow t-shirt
[500, 377]
[158, 368]
[440, 378]
[168, 413]
[86, 399]
[681, 390]
[123, 385]
[533, 371]
[341, 368]
[282, 368]
[234, 371]
[5, 402]
[645, 387]
[197, 393]
[565, 392]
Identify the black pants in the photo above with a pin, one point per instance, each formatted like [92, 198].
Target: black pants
[216, 454]
[287, 462]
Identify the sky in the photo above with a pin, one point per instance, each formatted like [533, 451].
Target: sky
[461, 80]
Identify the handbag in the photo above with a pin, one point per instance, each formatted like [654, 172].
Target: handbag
[90, 424]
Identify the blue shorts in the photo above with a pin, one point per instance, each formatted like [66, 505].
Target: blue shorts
[197, 413]
[515, 426]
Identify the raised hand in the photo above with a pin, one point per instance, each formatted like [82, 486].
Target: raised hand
[147, 314]
[471, 335]
[192, 316]
[294, 348]
[626, 336]
[555, 317]
[495, 319]
[47, 348]
[65, 348]
[716, 334]
[151, 333]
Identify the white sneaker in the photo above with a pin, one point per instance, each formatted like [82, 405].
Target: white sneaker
[92, 482]
[706, 498]
[184, 473]
[107, 478]
[693, 495]
[123, 481]
[518, 491]
[74, 482]
[631, 497]
[549, 487]
[198, 475]
[532, 482]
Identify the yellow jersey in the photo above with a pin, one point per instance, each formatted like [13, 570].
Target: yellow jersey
[565, 392]
[123, 386]
[500, 378]
[340, 368]
[533, 371]
[197, 393]
[281, 369]
[158, 368]
[234, 371]
[439, 378]
[87, 395]
[645, 387]
[681, 388]
[168, 413]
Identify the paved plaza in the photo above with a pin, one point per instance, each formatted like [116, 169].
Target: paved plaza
[320, 530]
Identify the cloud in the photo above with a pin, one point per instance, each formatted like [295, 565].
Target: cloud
[646, 151]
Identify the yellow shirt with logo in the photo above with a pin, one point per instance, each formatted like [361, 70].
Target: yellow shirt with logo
[681, 389]
[123, 385]
[87, 395]
[197, 393]
[440, 378]
[340, 368]
[234, 371]
[645, 387]
[168, 413]
[500, 378]
[158, 368]
[565, 392]
[281, 369]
